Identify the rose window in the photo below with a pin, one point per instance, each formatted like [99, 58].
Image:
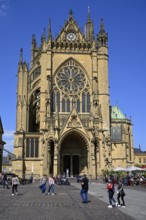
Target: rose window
[70, 78]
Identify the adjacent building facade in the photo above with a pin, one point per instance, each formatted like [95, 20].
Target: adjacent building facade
[140, 157]
[64, 119]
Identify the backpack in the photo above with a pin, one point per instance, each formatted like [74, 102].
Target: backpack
[109, 186]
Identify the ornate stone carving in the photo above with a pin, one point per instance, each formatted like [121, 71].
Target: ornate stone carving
[74, 122]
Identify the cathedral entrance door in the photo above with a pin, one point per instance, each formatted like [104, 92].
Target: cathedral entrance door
[75, 165]
[73, 154]
[66, 164]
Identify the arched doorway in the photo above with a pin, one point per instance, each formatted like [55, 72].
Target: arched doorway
[73, 154]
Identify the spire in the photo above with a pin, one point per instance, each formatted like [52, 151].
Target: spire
[21, 55]
[26, 67]
[20, 63]
[44, 33]
[89, 15]
[33, 48]
[70, 14]
[102, 37]
[33, 42]
[89, 27]
[49, 30]
[101, 27]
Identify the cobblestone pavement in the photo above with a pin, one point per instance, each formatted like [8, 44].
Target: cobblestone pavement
[64, 205]
[135, 198]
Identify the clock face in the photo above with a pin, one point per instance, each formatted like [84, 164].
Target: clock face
[71, 36]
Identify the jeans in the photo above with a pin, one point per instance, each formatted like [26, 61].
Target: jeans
[5, 183]
[111, 199]
[122, 198]
[14, 189]
[43, 188]
[84, 195]
[51, 188]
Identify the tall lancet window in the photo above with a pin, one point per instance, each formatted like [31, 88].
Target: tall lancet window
[58, 101]
[32, 147]
[88, 102]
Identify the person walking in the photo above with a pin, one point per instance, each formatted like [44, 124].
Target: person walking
[43, 184]
[5, 181]
[51, 186]
[84, 189]
[1, 179]
[111, 191]
[15, 183]
[120, 195]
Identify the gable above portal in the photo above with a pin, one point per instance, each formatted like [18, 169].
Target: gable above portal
[73, 122]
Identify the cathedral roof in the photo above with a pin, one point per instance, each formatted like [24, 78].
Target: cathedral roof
[137, 150]
[116, 113]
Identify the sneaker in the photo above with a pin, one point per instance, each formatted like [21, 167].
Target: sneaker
[43, 194]
[116, 204]
[85, 201]
[123, 206]
[119, 206]
[12, 194]
[110, 206]
[52, 194]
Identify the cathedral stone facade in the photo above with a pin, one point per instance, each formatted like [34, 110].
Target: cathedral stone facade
[64, 119]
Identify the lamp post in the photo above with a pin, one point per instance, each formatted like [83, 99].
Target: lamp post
[32, 168]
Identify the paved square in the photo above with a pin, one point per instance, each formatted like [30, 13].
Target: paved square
[64, 205]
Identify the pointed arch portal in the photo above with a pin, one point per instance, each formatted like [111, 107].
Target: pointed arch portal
[73, 154]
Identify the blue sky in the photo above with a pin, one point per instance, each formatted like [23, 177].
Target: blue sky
[124, 21]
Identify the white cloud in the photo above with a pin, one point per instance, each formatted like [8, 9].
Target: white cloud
[3, 7]
[8, 137]
[8, 134]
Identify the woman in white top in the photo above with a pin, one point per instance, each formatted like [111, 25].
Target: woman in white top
[15, 183]
[51, 186]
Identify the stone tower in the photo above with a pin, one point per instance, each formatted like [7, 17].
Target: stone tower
[64, 118]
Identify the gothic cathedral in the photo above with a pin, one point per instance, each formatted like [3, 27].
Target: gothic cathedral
[64, 120]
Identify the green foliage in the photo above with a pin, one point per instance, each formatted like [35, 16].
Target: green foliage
[106, 172]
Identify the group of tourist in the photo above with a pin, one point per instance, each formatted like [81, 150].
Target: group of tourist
[4, 182]
[134, 180]
[129, 179]
[110, 189]
[43, 185]
[85, 187]
[120, 193]
[49, 182]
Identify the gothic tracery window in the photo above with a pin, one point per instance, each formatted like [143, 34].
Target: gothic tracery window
[34, 111]
[70, 86]
[32, 147]
[35, 74]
